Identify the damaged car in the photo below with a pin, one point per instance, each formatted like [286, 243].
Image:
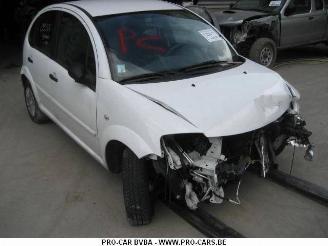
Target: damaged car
[259, 28]
[156, 93]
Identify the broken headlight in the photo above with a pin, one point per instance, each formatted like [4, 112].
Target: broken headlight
[295, 108]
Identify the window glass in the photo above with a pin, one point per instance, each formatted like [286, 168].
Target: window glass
[299, 7]
[146, 43]
[42, 35]
[259, 5]
[318, 4]
[74, 48]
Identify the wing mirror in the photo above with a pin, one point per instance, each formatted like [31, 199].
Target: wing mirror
[76, 71]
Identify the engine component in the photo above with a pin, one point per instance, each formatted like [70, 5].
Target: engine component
[190, 196]
[200, 167]
[294, 127]
[172, 158]
[262, 148]
[217, 195]
[309, 153]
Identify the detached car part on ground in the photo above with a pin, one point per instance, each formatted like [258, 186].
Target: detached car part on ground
[154, 91]
[257, 29]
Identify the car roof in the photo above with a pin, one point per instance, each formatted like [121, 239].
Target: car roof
[110, 7]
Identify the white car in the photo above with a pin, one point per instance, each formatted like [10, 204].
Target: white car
[155, 91]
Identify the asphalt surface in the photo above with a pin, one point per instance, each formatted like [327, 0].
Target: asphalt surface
[50, 187]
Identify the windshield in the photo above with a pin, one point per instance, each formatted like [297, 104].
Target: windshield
[260, 5]
[161, 42]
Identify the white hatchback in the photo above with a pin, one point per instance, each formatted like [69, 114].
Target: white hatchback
[154, 91]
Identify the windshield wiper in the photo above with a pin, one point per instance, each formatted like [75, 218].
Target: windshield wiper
[146, 77]
[260, 10]
[207, 65]
[178, 72]
[252, 9]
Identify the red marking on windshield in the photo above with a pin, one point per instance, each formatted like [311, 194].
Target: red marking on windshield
[141, 43]
[126, 36]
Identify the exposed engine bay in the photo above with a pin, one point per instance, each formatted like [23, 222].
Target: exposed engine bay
[198, 168]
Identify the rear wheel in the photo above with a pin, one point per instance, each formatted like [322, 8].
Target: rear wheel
[136, 189]
[264, 52]
[32, 106]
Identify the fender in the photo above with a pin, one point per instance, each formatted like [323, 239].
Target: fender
[26, 72]
[130, 139]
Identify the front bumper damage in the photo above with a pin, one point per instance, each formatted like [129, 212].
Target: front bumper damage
[198, 168]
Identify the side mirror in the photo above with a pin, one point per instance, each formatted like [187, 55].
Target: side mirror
[76, 71]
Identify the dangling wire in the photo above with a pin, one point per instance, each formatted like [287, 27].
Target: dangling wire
[236, 201]
[292, 164]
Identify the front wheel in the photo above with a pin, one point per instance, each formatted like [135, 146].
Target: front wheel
[136, 189]
[264, 52]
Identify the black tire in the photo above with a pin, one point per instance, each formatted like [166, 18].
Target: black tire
[32, 106]
[264, 52]
[136, 191]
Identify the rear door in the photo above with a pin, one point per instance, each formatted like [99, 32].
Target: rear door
[42, 41]
[319, 19]
[297, 25]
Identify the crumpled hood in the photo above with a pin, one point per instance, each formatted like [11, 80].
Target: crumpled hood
[224, 103]
[234, 16]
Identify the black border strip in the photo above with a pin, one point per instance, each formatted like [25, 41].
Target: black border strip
[203, 221]
[304, 187]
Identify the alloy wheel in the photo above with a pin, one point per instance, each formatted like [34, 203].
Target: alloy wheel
[266, 56]
[30, 101]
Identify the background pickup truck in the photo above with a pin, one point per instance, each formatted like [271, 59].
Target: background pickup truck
[258, 28]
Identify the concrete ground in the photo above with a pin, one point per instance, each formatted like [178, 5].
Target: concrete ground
[50, 187]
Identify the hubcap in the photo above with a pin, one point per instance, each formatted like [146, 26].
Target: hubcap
[266, 56]
[30, 101]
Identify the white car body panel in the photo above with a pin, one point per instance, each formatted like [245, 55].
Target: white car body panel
[139, 125]
[224, 103]
[111, 7]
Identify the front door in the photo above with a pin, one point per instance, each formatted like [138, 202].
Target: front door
[77, 99]
[319, 20]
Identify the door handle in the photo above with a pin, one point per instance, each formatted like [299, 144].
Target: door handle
[30, 59]
[53, 77]
[311, 17]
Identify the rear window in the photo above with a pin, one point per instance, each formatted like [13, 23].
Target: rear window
[42, 35]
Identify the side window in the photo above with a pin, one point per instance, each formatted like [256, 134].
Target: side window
[74, 50]
[298, 7]
[42, 35]
[318, 4]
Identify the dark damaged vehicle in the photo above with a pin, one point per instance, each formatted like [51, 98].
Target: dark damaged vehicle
[258, 28]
